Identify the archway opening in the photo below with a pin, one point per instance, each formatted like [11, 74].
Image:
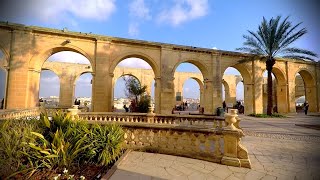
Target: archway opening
[138, 69]
[3, 79]
[72, 69]
[233, 87]
[83, 91]
[300, 95]
[306, 86]
[189, 88]
[49, 88]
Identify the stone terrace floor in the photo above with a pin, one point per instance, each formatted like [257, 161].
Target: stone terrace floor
[278, 149]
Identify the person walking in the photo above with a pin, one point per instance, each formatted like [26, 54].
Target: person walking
[305, 107]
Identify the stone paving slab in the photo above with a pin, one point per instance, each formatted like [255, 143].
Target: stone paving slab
[271, 157]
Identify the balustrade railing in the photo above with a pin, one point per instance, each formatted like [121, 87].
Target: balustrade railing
[187, 120]
[19, 113]
[208, 138]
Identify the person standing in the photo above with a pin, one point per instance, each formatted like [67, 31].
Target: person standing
[305, 107]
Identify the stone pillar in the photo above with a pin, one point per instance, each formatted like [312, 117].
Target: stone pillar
[317, 71]
[282, 98]
[202, 99]
[34, 85]
[66, 91]
[234, 153]
[291, 96]
[310, 92]
[102, 81]
[157, 90]
[209, 94]
[17, 87]
[167, 98]
[257, 87]
[248, 98]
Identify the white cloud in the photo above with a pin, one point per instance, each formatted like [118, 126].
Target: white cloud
[138, 8]
[69, 56]
[184, 10]
[133, 29]
[138, 12]
[134, 63]
[58, 10]
[215, 48]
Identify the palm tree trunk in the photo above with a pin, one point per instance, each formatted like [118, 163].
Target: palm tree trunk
[269, 64]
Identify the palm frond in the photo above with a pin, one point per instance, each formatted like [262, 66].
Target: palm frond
[298, 57]
[298, 51]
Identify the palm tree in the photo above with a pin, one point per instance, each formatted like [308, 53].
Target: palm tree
[272, 40]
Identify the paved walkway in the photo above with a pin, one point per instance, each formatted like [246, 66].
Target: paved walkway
[278, 149]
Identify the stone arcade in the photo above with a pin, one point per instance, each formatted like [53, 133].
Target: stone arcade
[26, 48]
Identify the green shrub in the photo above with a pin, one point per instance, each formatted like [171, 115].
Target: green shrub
[267, 116]
[29, 146]
[144, 103]
[13, 136]
[107, 143]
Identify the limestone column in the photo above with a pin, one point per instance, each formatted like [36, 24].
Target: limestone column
[67, 88]
[102, 81]
[211, 94]
[257, 87]
[317, 71]
[34, 76]
[248, 98]
[232, 93]
[157, 94]
[311, 97]
[201, 95]
[291, 89]
[17, 86]
[282, 98]
[291, 95]
[167, 98]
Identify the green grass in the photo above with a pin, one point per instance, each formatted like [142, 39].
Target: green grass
[267, 116]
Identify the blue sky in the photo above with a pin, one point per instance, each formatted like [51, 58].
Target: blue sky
[200, 23]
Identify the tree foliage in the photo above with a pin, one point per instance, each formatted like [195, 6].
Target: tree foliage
[140, 100]
[273, 39]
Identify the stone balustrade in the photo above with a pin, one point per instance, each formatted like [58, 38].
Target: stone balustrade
[207, 138]
[187, 120]
[19, 113]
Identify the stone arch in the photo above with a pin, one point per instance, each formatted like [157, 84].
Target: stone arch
[128, 74]
[307, 76]
[310, 87]
[139, 55]
[197, 63]
[245, 73]
[51, 69]
[37, 60]
[80, 74]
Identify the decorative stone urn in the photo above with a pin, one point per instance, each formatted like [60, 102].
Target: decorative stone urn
[231, 118]
[73, 111]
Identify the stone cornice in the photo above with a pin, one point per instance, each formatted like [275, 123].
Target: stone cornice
[96, 37]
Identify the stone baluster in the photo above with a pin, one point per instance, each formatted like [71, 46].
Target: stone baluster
[234, 153]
